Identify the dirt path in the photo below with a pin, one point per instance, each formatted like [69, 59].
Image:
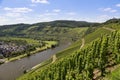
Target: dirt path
[83, 43]
[54, 58]
[110, 29]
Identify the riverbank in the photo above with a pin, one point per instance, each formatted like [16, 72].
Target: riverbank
[49, 44]
[13, 70]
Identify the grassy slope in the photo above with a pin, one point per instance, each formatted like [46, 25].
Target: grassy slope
[96, 34]
[115, 26]
[115, 75]
[88, 38]
[56, 33]
[74, 47]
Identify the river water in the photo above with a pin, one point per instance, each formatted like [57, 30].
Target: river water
[12, 70]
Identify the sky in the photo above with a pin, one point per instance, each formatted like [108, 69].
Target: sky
[33, 11]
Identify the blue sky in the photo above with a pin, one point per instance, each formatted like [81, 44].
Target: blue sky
[33, 11]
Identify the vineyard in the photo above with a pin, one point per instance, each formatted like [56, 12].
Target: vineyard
[92, 62]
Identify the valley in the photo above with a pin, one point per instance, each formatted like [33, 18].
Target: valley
[74, 52]
[59, 39]
[44, 48]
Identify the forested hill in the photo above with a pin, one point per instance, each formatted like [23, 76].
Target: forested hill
[53, 28]
[57, 23]
[66, 23]
[45, 30]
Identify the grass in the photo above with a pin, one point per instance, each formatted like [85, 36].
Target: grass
[115, 26]
[115, 75]
[72, 48]
[96, 34]
[49, 43]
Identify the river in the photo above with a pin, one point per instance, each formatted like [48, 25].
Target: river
[13, 70]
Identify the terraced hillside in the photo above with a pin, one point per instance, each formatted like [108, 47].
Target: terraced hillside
[92, 62]
[64, 57]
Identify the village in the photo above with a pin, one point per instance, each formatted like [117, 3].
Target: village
[7, 49]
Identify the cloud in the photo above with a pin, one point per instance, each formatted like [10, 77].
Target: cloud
[20, 19]
[118, 5]
[103, 18]
[108, 10]
[113, 11]
[33, 5]
[40, 1]
[48, 14]
[3, 20]
[18, 10]
[46, 10]
[71, 13]
[14, 19]
[13, 14]
[56, 10]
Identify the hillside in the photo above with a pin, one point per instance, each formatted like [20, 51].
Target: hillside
[86, 39]
[45, 30]
[89, 63]
[59, 40]
[64, 63]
